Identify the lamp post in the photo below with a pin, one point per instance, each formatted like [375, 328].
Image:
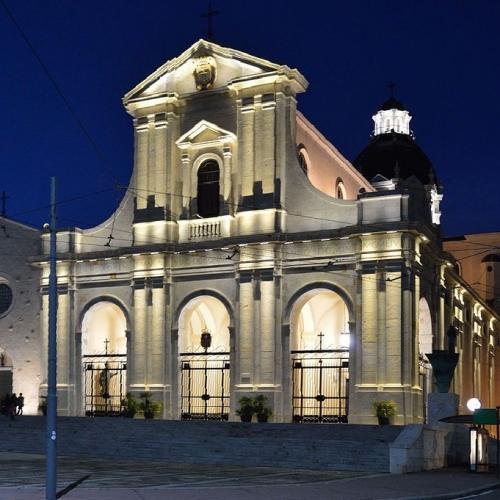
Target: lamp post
[51, 479]
[206, 342]
[478, 437]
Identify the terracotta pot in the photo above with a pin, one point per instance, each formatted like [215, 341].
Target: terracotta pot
[383, 420]
[262, 418]
[246, 418]
[149, 414]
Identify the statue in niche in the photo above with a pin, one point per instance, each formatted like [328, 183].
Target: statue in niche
[105, 377]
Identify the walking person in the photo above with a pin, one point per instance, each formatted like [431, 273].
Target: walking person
[11, 406]
[20, 404]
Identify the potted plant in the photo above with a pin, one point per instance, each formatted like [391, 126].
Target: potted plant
[148, 405]
[246, 409]
[384, 410]
[42, 405]
[129, 405]
[261, 408]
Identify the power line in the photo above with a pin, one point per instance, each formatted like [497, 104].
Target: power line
[58, 90]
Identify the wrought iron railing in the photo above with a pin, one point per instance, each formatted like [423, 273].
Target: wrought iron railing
[105, 384]
[205, 386]
[320, 386]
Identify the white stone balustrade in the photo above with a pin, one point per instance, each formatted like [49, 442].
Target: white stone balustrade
[204, 229]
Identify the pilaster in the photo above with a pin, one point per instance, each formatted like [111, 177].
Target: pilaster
[141, 161]
[246, 119]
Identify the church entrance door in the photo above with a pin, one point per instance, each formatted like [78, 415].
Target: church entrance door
[205, 386]
[104, 359]
[105, 384]
[320, 386]
[204, 360]
[320, 358]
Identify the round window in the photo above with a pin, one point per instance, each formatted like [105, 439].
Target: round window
[5, 298]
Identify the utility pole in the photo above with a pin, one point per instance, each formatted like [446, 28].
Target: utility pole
[51, 479]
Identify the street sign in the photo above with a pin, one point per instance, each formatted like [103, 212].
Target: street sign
[487, 416]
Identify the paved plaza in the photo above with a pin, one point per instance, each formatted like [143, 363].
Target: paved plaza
[22, 477]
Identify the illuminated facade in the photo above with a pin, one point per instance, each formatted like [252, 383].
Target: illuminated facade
[321, 284]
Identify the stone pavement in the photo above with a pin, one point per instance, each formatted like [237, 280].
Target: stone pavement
[22, 478]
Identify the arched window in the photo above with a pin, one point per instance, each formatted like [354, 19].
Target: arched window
[6, 296]
[302, 156]
[208, 189]
[340, 189]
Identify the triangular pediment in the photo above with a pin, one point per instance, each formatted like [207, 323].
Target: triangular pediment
[204, 132]
[177, 76]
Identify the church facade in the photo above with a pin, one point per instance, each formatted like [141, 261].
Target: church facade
[248, 256]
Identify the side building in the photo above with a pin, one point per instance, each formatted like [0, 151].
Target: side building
[21, 369]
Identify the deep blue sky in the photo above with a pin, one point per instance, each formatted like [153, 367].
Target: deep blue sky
[443, 54]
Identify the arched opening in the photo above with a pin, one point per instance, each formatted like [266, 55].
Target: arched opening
[303, 158]
[320, 357]
[204, 358]
[425, 341]
[208, 189]
[6, 375]
[104, 358]
[488, 285]
[340, 189]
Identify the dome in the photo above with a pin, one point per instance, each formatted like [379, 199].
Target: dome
[394, 155]
[392, 103]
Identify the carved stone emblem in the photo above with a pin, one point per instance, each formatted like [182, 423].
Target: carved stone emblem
[204, 72]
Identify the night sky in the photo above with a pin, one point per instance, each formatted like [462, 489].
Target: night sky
[444, 56]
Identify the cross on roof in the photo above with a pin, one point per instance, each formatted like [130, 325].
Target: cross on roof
[391, 86]
[106, 342]
[209, 15]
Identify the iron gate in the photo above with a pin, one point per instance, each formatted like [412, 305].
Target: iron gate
[320, 386]
[205, 386]
[425, 377]
[105, 384]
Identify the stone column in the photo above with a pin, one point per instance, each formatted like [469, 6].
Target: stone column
[79, 380]
[393, 328]
[267, 143]
[137, 376]
[266, 378]
[64, 389]
[158, 183]
[186, 184]
[246, 332]
[383, 343]
[407, 345]
[156, 344]
[141, 161]
[246, 120]
[227, 178]
[173, 178]
[256, 369]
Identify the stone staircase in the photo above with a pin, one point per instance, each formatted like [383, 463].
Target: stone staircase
[303, 446]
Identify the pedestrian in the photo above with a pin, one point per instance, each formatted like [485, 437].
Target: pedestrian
[20, 404]
[3, 404]
[11, 406]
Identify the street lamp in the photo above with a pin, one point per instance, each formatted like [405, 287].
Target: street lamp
[206, 342]
[478, 439]
[473, 404]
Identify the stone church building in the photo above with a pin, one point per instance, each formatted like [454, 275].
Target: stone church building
[248, 256]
